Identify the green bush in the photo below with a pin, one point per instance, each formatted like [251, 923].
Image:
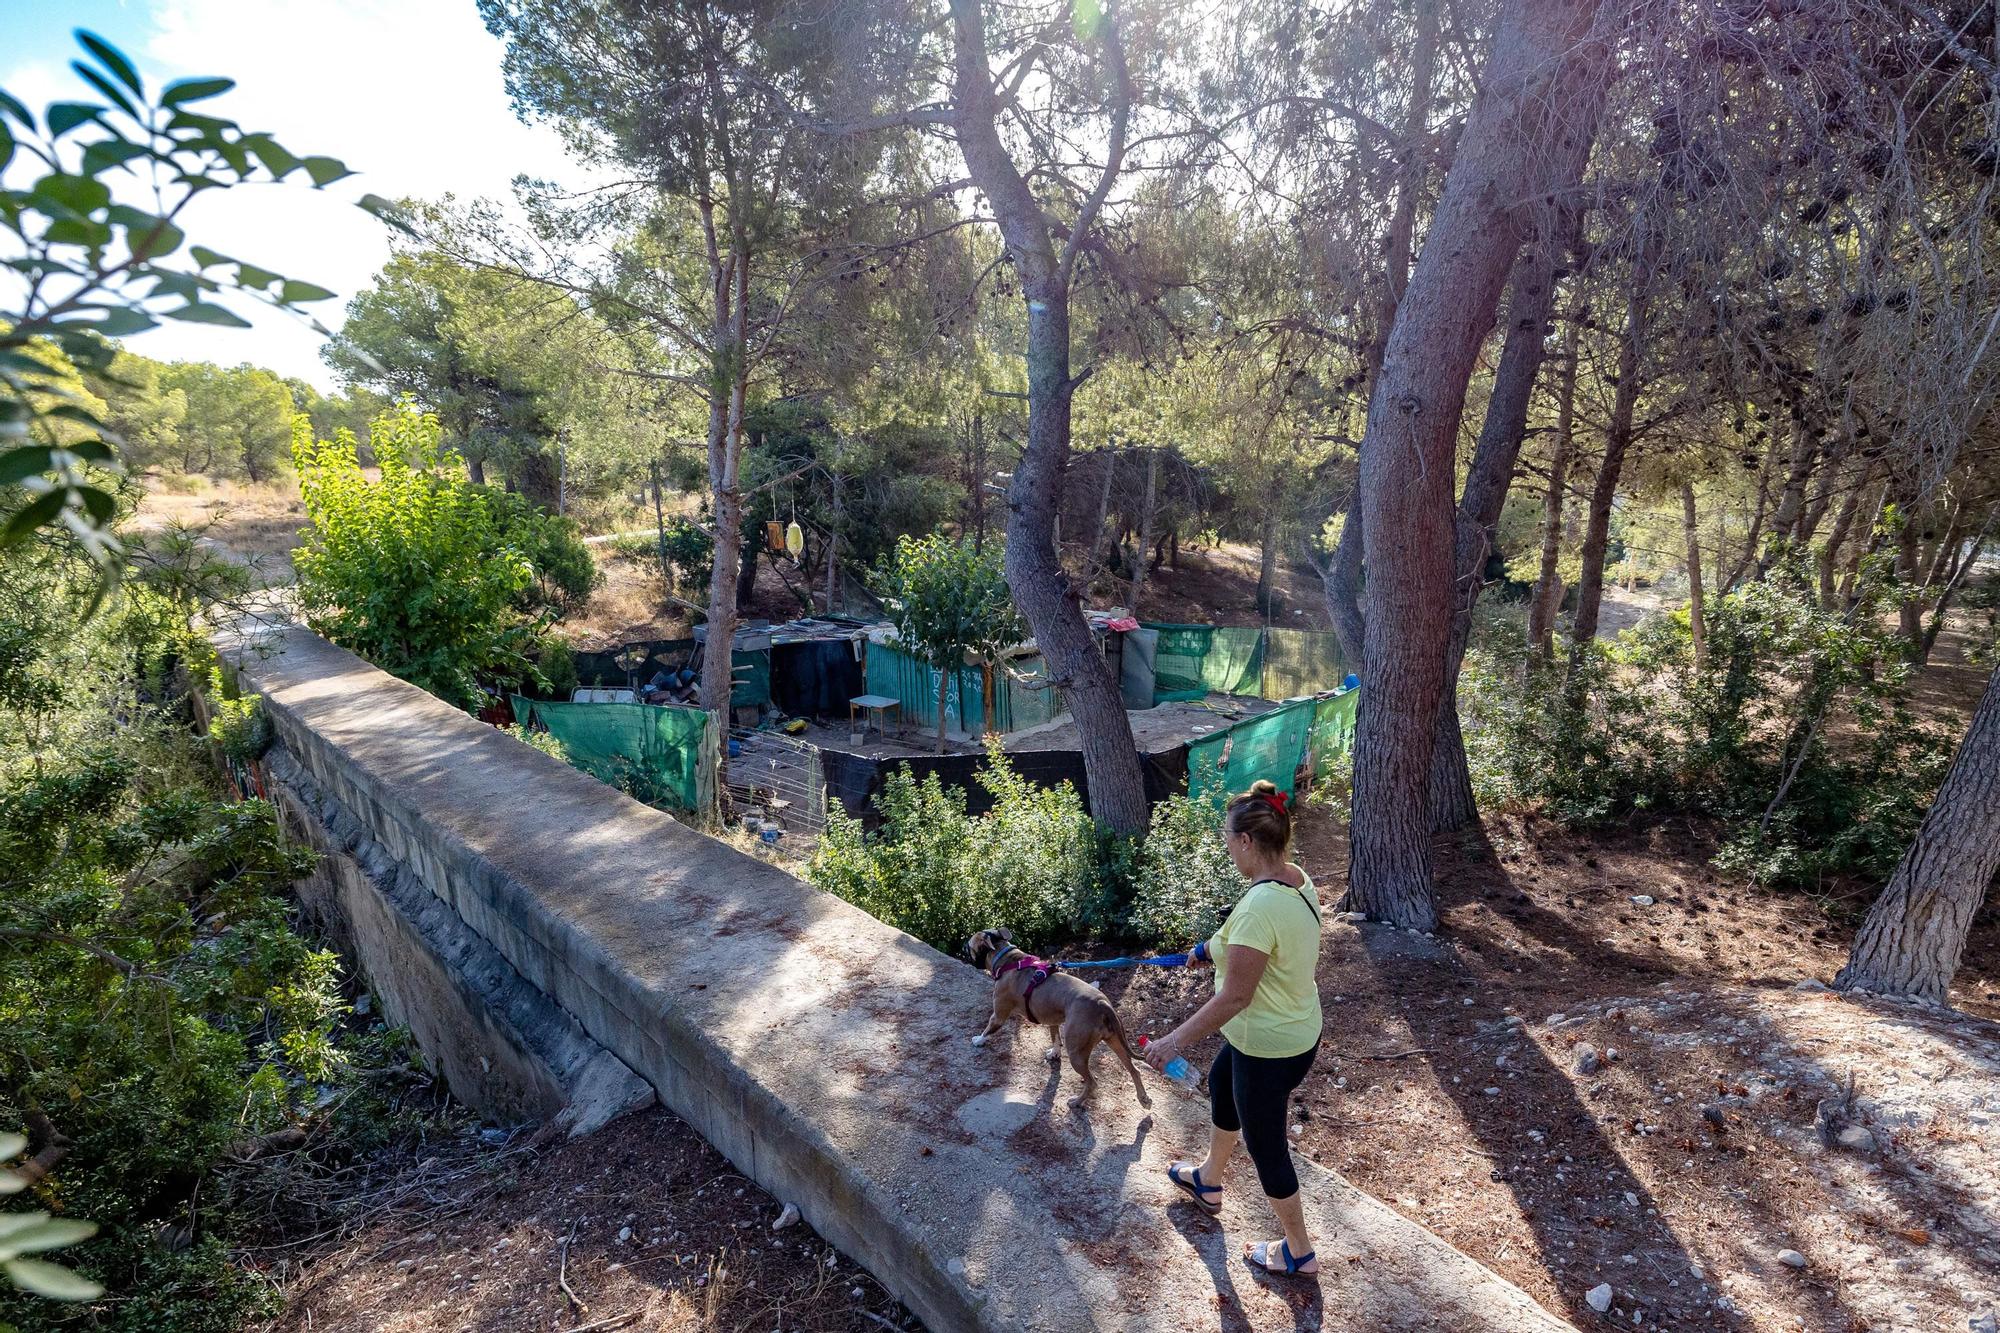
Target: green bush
[1186, 882]
[156, 1006]
[1035, 863]
[444, 583]
[1795, 729]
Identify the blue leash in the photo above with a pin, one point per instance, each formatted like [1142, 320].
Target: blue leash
[1164, 960]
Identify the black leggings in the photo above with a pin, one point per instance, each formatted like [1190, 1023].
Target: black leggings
[1247, 1095]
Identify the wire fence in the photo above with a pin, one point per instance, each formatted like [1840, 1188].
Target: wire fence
[777, 781]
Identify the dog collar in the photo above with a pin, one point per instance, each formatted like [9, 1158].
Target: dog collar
[994, 969]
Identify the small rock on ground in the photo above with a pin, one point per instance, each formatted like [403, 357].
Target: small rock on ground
[1598, 1297]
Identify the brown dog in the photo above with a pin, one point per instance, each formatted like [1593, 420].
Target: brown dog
[1075, 1012]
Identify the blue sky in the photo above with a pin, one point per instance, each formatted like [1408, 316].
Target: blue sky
[408, 93]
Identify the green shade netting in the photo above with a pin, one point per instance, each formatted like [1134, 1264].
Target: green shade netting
[1317, 734]
[1192, 660]
[1330, 743]
[1269, 747]
[663, 744]
[890, 671]
[1299, 661]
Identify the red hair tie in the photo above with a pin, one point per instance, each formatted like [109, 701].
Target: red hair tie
[1276, 800]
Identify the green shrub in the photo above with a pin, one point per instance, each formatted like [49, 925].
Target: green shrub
[156, 1006]
[444, 583]
[1186, 882]
[1035, 863]
[539, 740]
[1795, 729]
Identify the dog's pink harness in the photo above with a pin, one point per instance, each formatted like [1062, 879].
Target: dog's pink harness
[1027, 962]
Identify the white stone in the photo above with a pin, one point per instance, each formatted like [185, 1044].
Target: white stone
[1598, 1297]
[786, 1216]
[1791, 1259]
[1642, 900]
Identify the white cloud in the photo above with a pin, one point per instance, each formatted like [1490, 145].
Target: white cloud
[408, 93]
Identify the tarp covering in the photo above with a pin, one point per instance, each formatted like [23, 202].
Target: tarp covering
[661, 753]
[1300, 661]
[815, 678]
[1192, 660]
[1270, 746]
[855, 780]
[1016, 705]
[1330, 743]
[1136, 681]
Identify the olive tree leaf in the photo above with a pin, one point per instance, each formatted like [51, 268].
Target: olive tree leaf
[194, 90]
[113, 59]
[51, 1280]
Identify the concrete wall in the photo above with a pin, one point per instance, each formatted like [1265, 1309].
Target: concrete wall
[822, 1052]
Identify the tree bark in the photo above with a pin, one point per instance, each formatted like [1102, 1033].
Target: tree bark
[1617, 439]
[1537, 82]
[1909, 612]
[729, 387]
[832, 544]
[1697, 611]
[1914, 935]
[1267, 562]
[1843, 525]
[1341, 580]
[1102, 531]
[1791, 498]
[1117, 790]
[1341, 584]
[1141, 565]
[1548, 585]
[1491, 474]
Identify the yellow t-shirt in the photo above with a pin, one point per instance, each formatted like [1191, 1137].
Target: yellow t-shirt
[1282, 923]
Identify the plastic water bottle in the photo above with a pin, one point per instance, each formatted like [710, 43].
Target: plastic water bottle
[1178, 1070]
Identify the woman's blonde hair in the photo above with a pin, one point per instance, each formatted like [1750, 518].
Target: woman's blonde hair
[1261, 813]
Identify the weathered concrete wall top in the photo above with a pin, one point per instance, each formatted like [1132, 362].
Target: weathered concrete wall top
[827, 1054]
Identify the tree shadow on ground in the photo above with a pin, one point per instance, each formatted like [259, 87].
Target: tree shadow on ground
[1568, 1162]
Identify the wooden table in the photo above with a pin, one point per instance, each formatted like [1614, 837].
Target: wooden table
[876, 706]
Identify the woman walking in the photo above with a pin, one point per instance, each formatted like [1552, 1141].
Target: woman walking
[1266, 1006]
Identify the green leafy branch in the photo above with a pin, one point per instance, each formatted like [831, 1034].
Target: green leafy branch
[94, 267]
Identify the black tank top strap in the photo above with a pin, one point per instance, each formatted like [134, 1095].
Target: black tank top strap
[1299, 889]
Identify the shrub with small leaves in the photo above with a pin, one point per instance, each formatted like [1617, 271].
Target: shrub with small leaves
[1186, 882]
[1034, 863]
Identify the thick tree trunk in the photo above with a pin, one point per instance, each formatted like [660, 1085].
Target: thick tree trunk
[1538, 85]
[1489, 477]
[1914, 935]
[1617, 439]
[1116, 783]
[1341, 582]
[1697, 611]
[1341, 579]
[1548, 594]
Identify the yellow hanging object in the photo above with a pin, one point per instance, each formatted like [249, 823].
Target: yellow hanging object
[795, 539]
